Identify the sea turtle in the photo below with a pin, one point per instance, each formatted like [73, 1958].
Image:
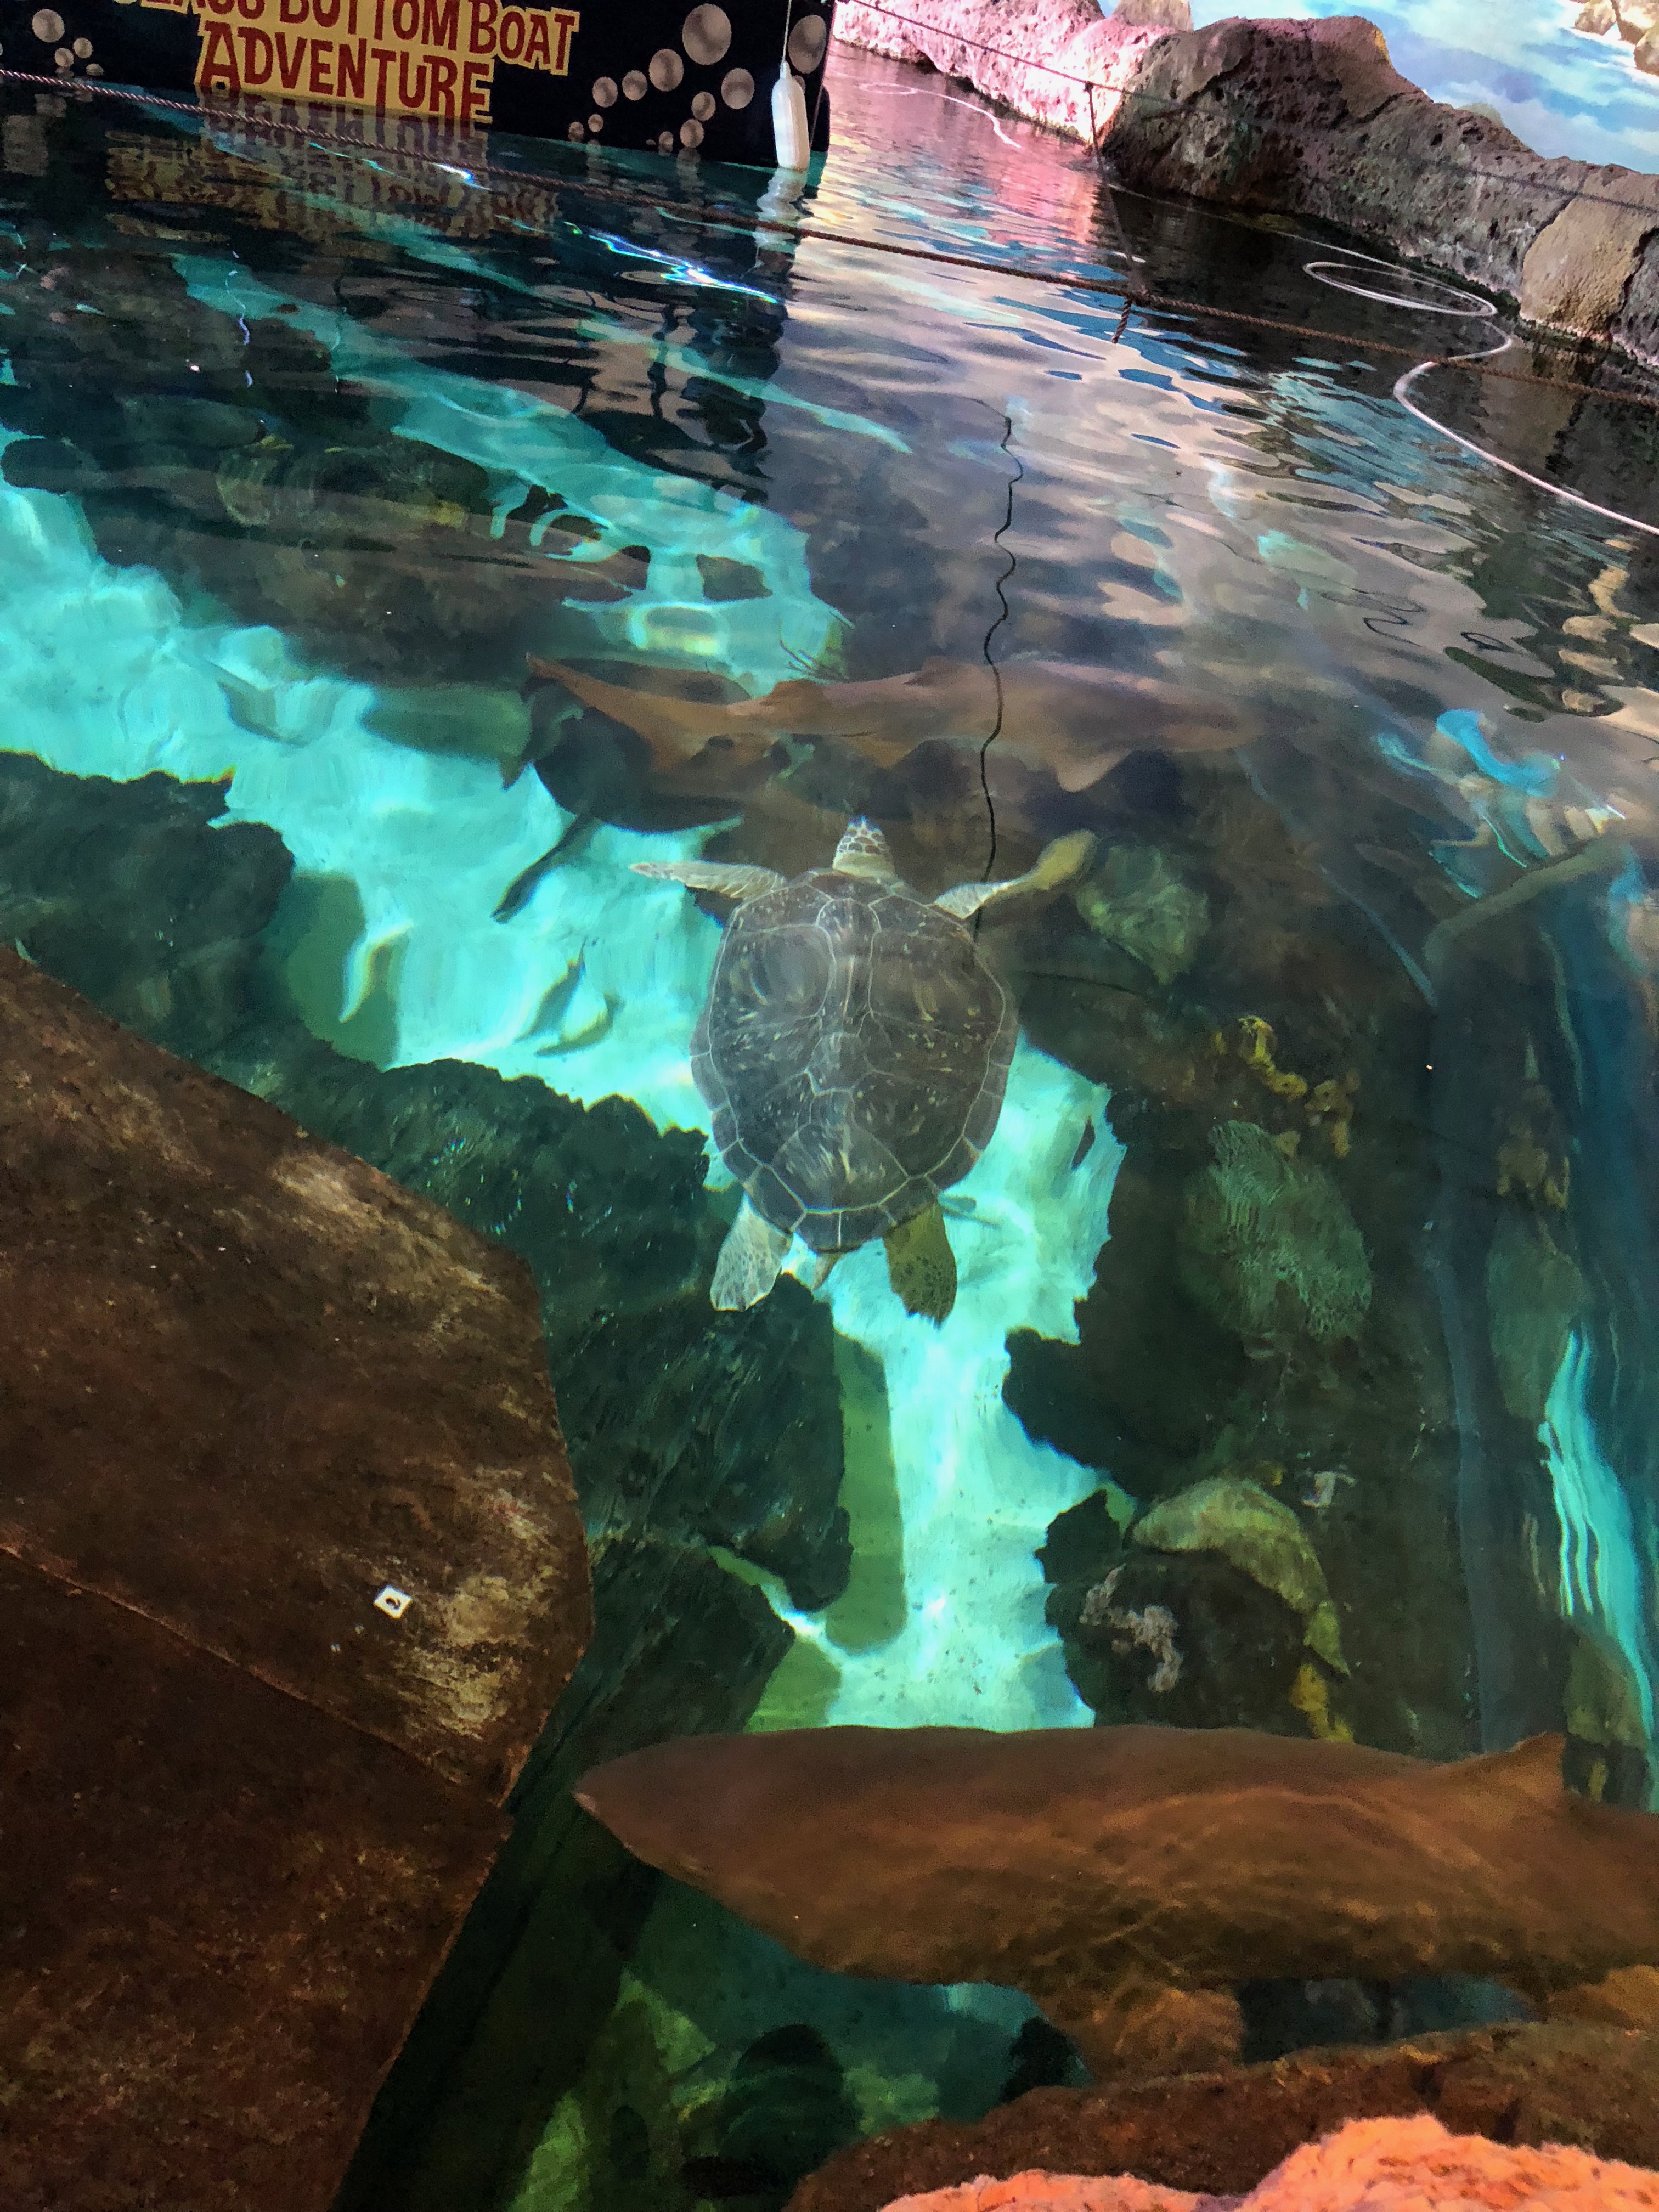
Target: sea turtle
[853, 1049]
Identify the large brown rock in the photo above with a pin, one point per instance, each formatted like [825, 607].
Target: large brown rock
[1220, 2133]
[250, 1384]
[1312, 119]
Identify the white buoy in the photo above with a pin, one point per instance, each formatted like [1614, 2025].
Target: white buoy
[790, 135]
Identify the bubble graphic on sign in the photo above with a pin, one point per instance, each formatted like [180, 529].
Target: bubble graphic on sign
[82, 49]
[48, 27]
[93, 69]
[703, 107]
[691, 134]
[575, 131]
[65, 58]
[667, 69]
[605, 92]
[736, 87]
[634, 86]
[706, 34]
[806, 43]
[665, 141]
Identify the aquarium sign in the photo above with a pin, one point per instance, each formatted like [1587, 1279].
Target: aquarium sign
[435, 57]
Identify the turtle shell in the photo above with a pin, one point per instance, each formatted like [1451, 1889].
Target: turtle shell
[855, 1050]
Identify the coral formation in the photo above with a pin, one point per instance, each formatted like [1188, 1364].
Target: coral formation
[1268, 1245]
[1152, 1629]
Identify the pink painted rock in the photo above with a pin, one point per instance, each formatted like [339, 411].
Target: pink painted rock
[1058, 62]
[1057, 2192]
[1370, 2165]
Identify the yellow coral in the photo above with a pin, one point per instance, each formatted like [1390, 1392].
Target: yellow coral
[1331, 1104]
[1256, 1046]
[1311, 1694]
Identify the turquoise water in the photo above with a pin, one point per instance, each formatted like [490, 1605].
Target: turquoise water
[1325, 1168]
[1561, 90]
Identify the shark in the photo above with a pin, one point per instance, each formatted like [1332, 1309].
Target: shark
[1128, 1879]
[1076, 721]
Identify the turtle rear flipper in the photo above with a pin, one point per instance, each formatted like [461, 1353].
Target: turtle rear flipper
[748, 1261]
[1062, 862]
[920, 1265]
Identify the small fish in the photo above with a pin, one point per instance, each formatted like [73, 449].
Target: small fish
[555, 1000]
[524, 885]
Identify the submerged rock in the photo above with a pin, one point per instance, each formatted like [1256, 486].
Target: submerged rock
[1152, 1372]
[1534, 1294]
[1261, 1538]
[684, 1420]
[123, 891]
[785, 2109]
[1228, 1657]
[189, 454]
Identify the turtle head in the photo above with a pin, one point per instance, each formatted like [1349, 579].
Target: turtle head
[863, 851]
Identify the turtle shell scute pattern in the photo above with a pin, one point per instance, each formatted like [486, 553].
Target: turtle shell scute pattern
[854, 1051]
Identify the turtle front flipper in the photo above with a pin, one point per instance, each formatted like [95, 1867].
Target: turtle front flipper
[1062, 862]
[748, 1261]
[732, 878]
[920, 1265]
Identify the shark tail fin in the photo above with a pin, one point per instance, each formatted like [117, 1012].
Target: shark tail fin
[674, 729]
[1530, 1773]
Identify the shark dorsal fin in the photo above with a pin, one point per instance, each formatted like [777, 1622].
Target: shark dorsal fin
[1531, 1772]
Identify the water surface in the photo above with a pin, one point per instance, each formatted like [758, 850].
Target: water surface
[1325, 1168]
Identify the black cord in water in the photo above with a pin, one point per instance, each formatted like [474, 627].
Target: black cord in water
[996, 673]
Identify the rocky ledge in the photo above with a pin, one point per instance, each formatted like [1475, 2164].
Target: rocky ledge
[1309, 120]
[1589, 2083]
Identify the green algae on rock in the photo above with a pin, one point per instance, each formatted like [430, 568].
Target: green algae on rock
[1136, 899]
[1534, 1294]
